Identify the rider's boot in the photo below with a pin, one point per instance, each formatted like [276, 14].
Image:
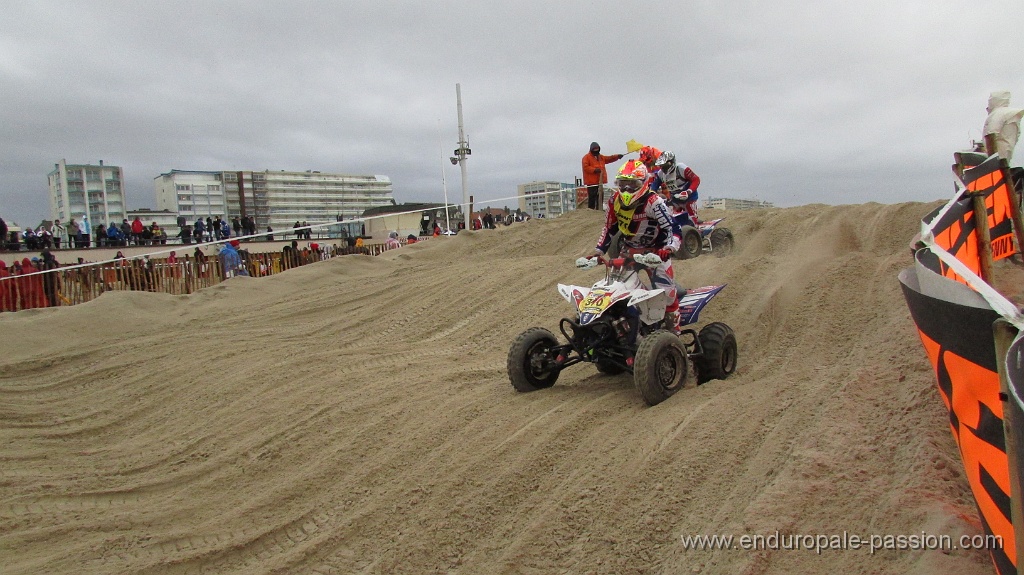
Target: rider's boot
[672, 322]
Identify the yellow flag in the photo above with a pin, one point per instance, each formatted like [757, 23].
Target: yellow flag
[633, 146]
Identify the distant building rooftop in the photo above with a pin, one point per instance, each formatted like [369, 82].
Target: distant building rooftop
[399, 208]
[736, 204]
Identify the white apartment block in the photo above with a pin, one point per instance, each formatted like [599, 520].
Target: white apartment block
[547, 199]
[86, 192]
[735, 204]
[275, 198]
[192, 194]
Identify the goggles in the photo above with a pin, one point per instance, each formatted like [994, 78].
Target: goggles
[629, 185]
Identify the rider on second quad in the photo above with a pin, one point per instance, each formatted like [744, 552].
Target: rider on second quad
[678, 184]
[644, 221]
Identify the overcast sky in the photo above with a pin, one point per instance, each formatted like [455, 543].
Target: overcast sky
[790, 102]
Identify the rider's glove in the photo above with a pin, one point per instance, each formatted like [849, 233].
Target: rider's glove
[664, 254]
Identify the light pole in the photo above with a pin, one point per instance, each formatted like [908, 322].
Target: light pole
[460, 154]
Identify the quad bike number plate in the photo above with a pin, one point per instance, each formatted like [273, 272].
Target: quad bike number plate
[595, 302]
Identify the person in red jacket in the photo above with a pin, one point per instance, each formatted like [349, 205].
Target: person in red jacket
[595, 174]
[7, 298]
[31, 287]
[137, 229]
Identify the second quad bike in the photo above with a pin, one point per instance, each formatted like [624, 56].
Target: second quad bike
[704, 237]
[619, 326]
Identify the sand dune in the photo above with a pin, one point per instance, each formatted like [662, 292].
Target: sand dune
[354, 416]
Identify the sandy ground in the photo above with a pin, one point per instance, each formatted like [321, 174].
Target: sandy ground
[354, 416]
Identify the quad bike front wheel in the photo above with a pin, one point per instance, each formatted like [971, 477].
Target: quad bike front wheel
[530, 360]
[691, 245]
[721, 242]
[719, 360]
[660, 367]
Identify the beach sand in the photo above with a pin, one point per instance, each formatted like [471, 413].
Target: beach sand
[355, 416]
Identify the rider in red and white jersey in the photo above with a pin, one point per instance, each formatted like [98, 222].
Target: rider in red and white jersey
[642, 218]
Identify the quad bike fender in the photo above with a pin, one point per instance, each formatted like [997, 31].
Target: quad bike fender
[691, 304]
[652, 308]
[643, 295]
[591, 303]
[573, 294]
[705, 228]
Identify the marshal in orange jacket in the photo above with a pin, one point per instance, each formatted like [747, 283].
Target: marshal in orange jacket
[594, 171]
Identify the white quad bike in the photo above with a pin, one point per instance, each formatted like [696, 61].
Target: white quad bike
[620, 327]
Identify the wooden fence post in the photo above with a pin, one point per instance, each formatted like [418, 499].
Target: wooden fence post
[984, 236]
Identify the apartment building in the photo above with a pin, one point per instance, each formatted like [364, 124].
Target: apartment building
[276, 199]
[546, 199]
[86, 192]
[192, 194]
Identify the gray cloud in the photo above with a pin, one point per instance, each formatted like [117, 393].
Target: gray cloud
[789, 102]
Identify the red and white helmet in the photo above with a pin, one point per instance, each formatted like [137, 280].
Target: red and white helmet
[649, 155]
[631, 181]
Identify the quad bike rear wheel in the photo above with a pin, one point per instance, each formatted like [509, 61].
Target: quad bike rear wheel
[692, 244]
[719, 360]
[721, 242]
[530, 360]
[660, 368]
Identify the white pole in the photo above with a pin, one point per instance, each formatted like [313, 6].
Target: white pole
[461, 153]
[444, 183]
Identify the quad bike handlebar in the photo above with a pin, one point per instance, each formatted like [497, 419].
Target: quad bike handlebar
[644, 259]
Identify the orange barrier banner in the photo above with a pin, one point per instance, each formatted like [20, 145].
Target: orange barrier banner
[953, 226]
[988, 179]
[581, 197]
[954, 232]
[957, 336]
